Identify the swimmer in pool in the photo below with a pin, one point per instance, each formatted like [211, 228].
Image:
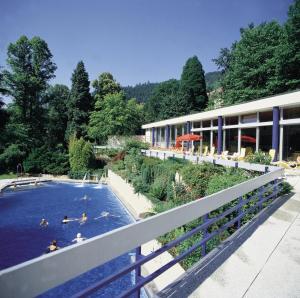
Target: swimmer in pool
[78, 238]
[83, 218]
[52, 247]
[67, 220]
[44, 223]
[105, 214]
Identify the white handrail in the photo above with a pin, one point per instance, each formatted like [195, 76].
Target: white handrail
[36, 276]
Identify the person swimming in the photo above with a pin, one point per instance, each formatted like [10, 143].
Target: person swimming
[44, 223]
[105, 214]
[78, 238]
[67, 220]
[52, 247]
[83, 218]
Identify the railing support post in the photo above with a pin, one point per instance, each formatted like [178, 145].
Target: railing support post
[138, 275]
[240, 210]
[203, 249]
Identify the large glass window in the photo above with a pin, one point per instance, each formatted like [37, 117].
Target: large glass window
[250, 118]
[231, 140]
[196, 143]
[215, 138]
[248, 139]
[157, 142]
[232, 120]
[265, 138]
[197, 124]
[291, 144]
[179, 130]
[266, 116]
[206, 138]
[215, 122]
[206, 123]
[291, 113]
[163, 137]
[172, 135]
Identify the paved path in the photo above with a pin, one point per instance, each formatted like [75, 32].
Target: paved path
[262, 260]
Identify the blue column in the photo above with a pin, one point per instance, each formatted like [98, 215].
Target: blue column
[275, 131]
[188, 124]
[220, 134]
[153, 136]
[168, 136]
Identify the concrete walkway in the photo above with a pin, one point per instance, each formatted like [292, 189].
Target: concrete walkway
[261, 260]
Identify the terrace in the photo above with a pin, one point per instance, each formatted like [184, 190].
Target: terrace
[259, 194]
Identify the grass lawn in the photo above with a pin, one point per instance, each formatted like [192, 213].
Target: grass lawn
[8, 176]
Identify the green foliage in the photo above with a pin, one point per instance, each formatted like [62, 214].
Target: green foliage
[56, 98]
[106, 84]
[30, 69]
[228, 179]
[45, 160]
[259, 157]
[78, 175]
[115, 116]
[286, 188]
[193, 84]
[80, 154]
[133, 143]
[197, 177]
[10, 158]
[141, 92]
[213, 80]
[80, 102]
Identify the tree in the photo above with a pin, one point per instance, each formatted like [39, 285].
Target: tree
[141, 92]
[166, 101]
[289, 52]
[80, 102]
[193, 84]
[80, 154]
[115, 116]
[56, 98]
[253, 67]
[3, 113]
[30, 68]
[106, 84]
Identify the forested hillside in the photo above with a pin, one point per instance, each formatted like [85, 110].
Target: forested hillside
[141, 91]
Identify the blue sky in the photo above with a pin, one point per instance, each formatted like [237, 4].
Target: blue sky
[135, 40]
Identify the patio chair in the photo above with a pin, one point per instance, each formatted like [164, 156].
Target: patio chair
[212, 151]
[224, 155]
[243, 154]
[272, 153]
[205, 151]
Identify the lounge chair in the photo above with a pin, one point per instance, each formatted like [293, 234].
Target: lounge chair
[239, 156]
[205, 151]
[272, 153]
[212, 151]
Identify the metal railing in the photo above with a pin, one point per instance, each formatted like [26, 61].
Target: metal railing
[38, 275]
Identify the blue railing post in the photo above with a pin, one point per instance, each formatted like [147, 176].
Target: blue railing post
[239, 211]
[260, 197]
[203, 247]
[138, 274]
[275, 131]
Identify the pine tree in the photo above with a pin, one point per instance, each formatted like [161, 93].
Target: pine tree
[193, 84]
[80, 102]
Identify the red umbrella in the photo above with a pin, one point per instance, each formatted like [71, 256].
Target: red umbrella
[188, 137]
[247, 139]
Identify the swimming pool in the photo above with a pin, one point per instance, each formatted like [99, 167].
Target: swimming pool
[22, 237]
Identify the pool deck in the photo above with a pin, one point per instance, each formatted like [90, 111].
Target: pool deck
[262, 260]
[5, 183]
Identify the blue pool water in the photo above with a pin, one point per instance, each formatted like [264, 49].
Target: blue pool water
[22, 237]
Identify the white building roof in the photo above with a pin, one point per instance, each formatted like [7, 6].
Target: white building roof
[283, 100]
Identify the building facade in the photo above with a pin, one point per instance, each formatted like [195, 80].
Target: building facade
[268, 123]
